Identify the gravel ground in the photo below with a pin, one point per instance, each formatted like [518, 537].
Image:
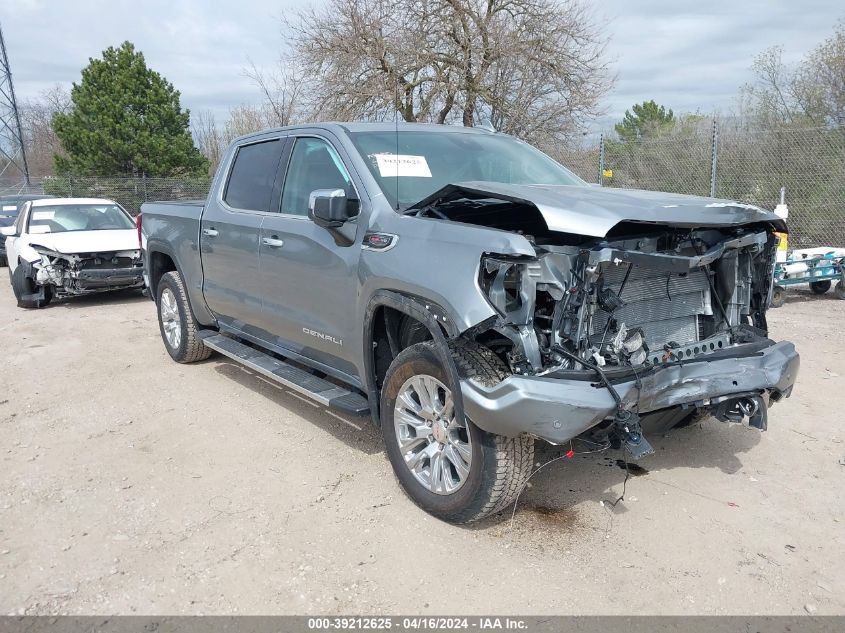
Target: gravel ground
[132, 484]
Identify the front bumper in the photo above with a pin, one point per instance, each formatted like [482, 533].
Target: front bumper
[100, 279]
[557, 410]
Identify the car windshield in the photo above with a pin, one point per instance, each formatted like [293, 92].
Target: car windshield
[66, 218]
[428, 161]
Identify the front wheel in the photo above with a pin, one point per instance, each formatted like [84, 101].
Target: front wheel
[28, 294]
[820, 287]
[176, 322]
[778, 296]
[449, 467]
[839, 290]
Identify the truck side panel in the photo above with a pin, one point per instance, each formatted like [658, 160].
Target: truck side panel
[171, 230]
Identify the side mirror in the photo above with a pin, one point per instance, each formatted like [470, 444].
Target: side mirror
[330, 208]
[8, 231]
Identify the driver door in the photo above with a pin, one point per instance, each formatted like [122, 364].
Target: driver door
[308, 281]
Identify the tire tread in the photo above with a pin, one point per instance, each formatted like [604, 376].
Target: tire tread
[514, 456]
[195, 350]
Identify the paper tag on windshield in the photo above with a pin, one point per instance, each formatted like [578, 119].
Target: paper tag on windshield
[43, 215]
[9, 207]
[405, 165]
[39, 228]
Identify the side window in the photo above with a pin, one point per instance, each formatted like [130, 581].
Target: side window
[314, 164]
[251, 180]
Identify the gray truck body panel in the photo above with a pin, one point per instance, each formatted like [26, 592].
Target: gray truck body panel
[311, 300]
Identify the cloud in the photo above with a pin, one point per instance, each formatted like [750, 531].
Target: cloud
[693, 56]
[200, 47]
[686, 54]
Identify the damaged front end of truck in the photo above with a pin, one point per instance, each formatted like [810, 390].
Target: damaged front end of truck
[623, 321]
[58, 274]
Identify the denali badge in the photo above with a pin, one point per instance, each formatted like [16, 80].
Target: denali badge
[325, 337]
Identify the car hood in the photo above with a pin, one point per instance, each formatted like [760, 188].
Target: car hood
[594, 211]
[87, 241]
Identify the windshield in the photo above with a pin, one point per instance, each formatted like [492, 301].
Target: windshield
[66, 218]
[428, 161]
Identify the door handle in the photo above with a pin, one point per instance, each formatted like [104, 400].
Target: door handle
[273, 242]
[211, 232]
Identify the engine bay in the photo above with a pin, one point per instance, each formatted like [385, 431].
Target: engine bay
[637, 301]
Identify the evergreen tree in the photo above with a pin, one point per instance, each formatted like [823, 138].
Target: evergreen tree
[125, 120]
[647, 119]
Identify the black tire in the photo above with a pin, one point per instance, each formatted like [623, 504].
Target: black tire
[839, 290]
[412, 332]
[190, 348]
[500, 466]
[778, 296]
[28, 294]
[3, 261]
[820, 287]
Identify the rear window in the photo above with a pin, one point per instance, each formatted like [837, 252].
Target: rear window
[253, 174]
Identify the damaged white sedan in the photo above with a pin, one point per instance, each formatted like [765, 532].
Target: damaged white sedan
[71, 246]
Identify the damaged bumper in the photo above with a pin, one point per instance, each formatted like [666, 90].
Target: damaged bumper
[79, 274]
[108, 279]
[557, 410]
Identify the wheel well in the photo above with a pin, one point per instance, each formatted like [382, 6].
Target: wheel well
[160, 263]
[393, 331]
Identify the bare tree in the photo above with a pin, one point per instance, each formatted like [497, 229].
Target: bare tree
[208, 138]
[282, 91]
[811, 93]
[41, 143]
[245, 119]
[525, 65]
[819, 83]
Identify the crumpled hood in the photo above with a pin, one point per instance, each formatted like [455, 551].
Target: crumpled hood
[594, 211]
[87, 241]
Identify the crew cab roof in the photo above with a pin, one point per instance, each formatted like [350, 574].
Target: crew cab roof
[383, 126]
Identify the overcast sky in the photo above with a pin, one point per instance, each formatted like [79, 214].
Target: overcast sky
[686, 54]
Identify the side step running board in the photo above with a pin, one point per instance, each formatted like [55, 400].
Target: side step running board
[299, 380]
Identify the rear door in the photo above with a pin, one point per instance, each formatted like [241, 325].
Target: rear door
[309, 280]
[230, 229]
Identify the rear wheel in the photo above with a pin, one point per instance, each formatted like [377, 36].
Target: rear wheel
[179, 329]
[778, 296]
[449, 466]
[27, 292]
[3, 261]
[820, 287]
[839, 291]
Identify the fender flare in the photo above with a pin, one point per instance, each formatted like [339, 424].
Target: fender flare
[433, 317]
[157, 246]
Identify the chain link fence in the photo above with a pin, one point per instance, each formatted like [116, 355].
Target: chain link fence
[730, 159]
[131, 193]
[727, 159]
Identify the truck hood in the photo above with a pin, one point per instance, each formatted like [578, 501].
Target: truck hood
[87, 241]
[594, 211]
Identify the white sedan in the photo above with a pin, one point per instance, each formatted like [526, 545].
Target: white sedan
[71, 246]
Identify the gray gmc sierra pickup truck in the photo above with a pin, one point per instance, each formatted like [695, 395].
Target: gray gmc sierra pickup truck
[472, 296]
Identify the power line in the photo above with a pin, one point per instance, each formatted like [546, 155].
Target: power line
[12, 152]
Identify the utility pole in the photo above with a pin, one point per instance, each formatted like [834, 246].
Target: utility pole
[12, 152]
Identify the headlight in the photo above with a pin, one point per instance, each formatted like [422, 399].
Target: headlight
[506, 284]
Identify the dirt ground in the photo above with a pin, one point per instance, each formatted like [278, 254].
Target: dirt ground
[132, 484]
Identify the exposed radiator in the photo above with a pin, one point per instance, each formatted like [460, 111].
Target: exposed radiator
[666, 306]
